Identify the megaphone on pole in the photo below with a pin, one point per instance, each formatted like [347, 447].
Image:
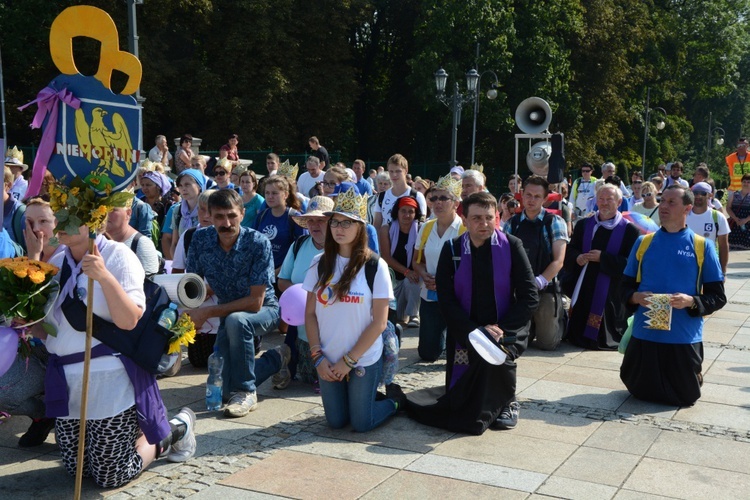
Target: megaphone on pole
[537, 159]
[533, 115]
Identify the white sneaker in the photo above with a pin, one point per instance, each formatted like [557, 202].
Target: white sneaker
[240, 404]
[184, 449]
[283, 378]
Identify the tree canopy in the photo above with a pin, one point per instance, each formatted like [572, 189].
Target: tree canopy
[359, 74]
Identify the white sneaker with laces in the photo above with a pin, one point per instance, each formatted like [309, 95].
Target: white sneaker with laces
[240, 404]
[184, 449]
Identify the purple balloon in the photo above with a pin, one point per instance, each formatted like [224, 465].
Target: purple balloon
[292, 304]
[8, 348]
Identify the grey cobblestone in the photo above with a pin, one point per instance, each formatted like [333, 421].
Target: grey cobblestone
[644, 420]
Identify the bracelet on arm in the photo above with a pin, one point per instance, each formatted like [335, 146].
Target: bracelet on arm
[349, 361]
[318, 361]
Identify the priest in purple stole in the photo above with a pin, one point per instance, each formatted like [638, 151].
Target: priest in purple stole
[594, 262]
[484, 280]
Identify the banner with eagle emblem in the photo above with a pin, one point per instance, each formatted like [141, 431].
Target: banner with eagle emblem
[88, 130]
[95, 141]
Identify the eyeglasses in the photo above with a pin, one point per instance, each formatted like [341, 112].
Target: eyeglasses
[433, 199]
[586, 171]
[647, 195]
[329, 184]
[345, 224]
[219, 173]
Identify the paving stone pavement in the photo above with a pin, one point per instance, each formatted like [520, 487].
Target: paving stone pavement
[581, 436]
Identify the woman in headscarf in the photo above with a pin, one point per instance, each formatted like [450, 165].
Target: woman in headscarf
[191, 184]
[155, 187]
[400, 241]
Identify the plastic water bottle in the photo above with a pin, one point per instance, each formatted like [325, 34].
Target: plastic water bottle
[168, 316]
[214, 382]
[167, 319]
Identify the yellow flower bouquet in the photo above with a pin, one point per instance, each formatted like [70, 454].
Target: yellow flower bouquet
[79, 203]
[183, 333]
[25, 289]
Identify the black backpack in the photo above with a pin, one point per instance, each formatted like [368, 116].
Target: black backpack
[145, 344]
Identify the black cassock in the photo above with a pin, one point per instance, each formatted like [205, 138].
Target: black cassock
[477, 398]
[615, 315]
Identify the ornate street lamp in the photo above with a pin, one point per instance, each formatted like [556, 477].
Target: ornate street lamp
[456, 101]
[660, 124]
[711, 131]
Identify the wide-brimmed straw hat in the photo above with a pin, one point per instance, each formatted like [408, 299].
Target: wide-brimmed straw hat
[14, 158]
[319, 206]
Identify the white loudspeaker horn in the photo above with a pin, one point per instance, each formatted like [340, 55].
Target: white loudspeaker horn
[533, 115]
[537, 159]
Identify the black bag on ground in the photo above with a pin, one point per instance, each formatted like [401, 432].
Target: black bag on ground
[145, 344]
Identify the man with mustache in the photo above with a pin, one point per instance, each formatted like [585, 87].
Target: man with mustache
[236, 261]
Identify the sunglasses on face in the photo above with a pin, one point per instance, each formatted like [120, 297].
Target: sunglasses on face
[586, 171]
[219, 173]
[329, 184]
[637, 182]
[433, 199]
[345, 224]
[647, 195]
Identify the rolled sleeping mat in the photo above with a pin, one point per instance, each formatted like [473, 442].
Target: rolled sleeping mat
[187, 290]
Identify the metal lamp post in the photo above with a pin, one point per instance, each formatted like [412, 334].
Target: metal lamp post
[711, 131]
[133, 49]
[659, 126]
[456, 101]
[491, 95]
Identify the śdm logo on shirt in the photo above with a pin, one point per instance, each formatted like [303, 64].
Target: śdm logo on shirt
[326, 297]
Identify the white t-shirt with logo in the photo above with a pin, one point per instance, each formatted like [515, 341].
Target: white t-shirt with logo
[704, 225]
[306, 182]
[389, 199]
[342, 321]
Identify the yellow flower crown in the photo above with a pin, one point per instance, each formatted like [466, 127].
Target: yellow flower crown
[351, 204]
[450, 184]
[288, 170]
[148, 166]
[14, 154]
[225, 164]
[478, 167]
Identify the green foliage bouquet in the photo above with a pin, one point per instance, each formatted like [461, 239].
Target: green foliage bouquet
[78, 203]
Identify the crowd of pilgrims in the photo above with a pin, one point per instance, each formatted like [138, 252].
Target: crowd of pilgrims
[562, 244]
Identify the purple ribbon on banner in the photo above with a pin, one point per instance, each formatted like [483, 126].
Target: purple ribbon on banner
[47, 104]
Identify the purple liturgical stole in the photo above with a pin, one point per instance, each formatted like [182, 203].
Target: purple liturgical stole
[500, 250]
[601, 290]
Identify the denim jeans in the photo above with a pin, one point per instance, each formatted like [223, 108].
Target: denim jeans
[432, 331]
[242, 372]
[353, 401]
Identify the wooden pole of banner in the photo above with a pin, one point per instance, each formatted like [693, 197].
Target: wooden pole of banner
[85, 387]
